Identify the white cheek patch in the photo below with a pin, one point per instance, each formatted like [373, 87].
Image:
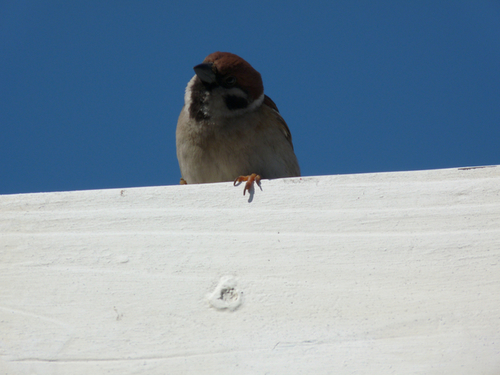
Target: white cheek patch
[238, 112]
[234, 91]
[214, 105]
[256, 103]
[189, 89]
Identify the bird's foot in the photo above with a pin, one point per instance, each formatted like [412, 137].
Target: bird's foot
[254, 177]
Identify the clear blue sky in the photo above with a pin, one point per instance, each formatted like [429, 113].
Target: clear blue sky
[91, 90]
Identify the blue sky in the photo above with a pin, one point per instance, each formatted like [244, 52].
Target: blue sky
[91, 90]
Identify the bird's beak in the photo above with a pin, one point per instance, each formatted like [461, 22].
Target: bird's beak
[205, 73]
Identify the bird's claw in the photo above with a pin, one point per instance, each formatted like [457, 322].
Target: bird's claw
[254, 177]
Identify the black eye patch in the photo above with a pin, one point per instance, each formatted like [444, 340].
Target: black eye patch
[235, 102]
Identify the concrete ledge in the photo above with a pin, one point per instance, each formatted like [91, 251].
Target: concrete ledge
[388, 273]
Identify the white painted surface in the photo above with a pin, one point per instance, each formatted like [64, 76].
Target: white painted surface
[390, 273]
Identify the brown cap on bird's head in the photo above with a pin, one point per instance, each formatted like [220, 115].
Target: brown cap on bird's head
[225, 67]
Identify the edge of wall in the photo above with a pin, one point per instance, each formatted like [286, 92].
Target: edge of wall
[371, 273]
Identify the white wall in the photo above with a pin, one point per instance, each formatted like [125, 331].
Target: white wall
[389, 273]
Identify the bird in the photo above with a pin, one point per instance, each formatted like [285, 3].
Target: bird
[229, 130]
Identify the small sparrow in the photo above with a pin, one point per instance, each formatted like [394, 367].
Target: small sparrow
[228, 130]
